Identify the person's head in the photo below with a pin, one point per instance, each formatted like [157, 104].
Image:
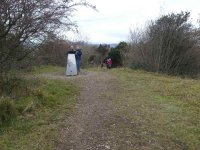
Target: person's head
[71, 47]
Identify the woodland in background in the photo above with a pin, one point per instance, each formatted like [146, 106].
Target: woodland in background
[168, 45]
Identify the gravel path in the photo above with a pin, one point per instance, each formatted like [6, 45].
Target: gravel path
[85, 130]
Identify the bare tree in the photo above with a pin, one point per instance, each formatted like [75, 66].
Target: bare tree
[138, 45]
[24, 22]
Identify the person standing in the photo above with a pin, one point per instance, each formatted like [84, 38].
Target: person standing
[109, 62]
[78, 55]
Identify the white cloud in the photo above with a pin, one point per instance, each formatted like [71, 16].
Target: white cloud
[113, 19]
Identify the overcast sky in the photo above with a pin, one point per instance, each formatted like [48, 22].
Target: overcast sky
[114, 18]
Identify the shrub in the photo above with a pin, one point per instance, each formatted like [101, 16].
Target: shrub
[116, 57]
[7, 110]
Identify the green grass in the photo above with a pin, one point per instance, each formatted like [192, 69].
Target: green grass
[42, 105]
[154, 111]
[47, 69]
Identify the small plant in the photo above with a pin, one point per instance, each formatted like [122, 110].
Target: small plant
[7, 110]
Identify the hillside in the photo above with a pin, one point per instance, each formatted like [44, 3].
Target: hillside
[108, 109]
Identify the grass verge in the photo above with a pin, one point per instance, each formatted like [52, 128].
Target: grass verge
[47, 69]
[41, 104]
[154, 111]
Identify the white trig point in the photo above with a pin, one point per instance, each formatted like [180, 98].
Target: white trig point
[71, 65]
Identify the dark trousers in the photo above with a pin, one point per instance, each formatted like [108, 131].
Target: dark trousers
[78, 65]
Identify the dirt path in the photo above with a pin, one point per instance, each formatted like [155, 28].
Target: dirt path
[85, 130]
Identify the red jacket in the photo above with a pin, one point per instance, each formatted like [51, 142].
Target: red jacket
[109, 61]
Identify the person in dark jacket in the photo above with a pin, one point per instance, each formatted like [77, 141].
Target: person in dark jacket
[78, 55]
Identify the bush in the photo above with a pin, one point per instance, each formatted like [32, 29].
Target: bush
[119, 54]
[116, 57]
[7, 110]
[14, 87]
[90, 55]
[17, 95]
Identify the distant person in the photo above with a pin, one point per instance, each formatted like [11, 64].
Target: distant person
[78, 55]
[109, 63]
